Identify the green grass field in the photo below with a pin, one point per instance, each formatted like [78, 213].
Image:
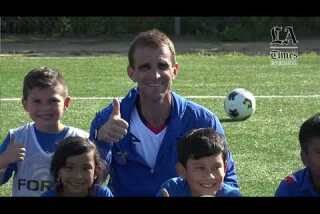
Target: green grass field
[264, 147]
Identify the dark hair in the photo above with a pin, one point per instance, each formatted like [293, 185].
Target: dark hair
[200, 143]
[309, 129]
[43, 77]
[72, 146]
[152, 38]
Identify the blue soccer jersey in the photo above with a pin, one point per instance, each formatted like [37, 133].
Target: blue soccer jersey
[32, 175]
[299, 184]
[97, 191]
[178, 187]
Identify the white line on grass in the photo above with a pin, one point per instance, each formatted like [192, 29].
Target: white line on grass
[189, 97]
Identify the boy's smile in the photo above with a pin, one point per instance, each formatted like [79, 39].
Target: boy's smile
[205, 175]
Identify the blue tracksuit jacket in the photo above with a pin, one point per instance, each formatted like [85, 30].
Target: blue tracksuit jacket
[299, 184]
[130, 174]
[179, 187]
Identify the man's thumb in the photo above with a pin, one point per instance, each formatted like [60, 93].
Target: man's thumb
[116, 107]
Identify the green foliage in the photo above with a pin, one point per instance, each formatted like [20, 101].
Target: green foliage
[219, 28]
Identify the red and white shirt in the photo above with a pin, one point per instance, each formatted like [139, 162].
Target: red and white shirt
[150, 138]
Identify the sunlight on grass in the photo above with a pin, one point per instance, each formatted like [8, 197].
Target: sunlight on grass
[265, 147]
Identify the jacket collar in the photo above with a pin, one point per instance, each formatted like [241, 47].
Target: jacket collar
[128, 103]
[178, 108]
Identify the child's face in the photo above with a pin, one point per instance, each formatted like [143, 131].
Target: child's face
[78, 175]
[205, 175]
[46, 106]
[312, 159]
[153, 71]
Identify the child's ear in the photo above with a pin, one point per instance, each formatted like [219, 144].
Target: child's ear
[59, 180]
[67, 102]
[130, 72]
[176, 68]
[96, 172]
[181, 171]
[24, 104]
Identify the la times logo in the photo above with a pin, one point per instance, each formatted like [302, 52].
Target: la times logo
[283, 46]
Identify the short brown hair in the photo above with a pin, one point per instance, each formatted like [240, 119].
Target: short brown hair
[152, 38]
[199, 143]
[43, 77]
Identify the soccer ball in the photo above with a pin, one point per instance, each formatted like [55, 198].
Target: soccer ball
[240, 104]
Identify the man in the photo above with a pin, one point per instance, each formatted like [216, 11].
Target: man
[138, 137]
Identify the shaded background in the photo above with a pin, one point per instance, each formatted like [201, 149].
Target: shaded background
[218, 28]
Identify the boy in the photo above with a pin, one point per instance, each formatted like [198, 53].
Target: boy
[201, 167]
[27, 150]
[305, 182]
[144, 154]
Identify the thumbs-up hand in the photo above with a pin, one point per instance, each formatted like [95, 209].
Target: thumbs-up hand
[14, 152]
[115, 128]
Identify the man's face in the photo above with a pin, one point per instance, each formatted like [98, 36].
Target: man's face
[205, 175]
[154, 72]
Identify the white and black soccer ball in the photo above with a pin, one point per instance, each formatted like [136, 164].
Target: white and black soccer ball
[240, 104]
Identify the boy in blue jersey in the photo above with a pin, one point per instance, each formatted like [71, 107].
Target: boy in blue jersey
[201, 167]
[305, 182]
[138, 137]
[78, 170]
[27, 150]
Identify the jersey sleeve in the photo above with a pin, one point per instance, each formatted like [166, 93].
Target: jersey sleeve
[6, 173]
[5, 144]
[283, 189]
[101, 191]
[49, 193]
